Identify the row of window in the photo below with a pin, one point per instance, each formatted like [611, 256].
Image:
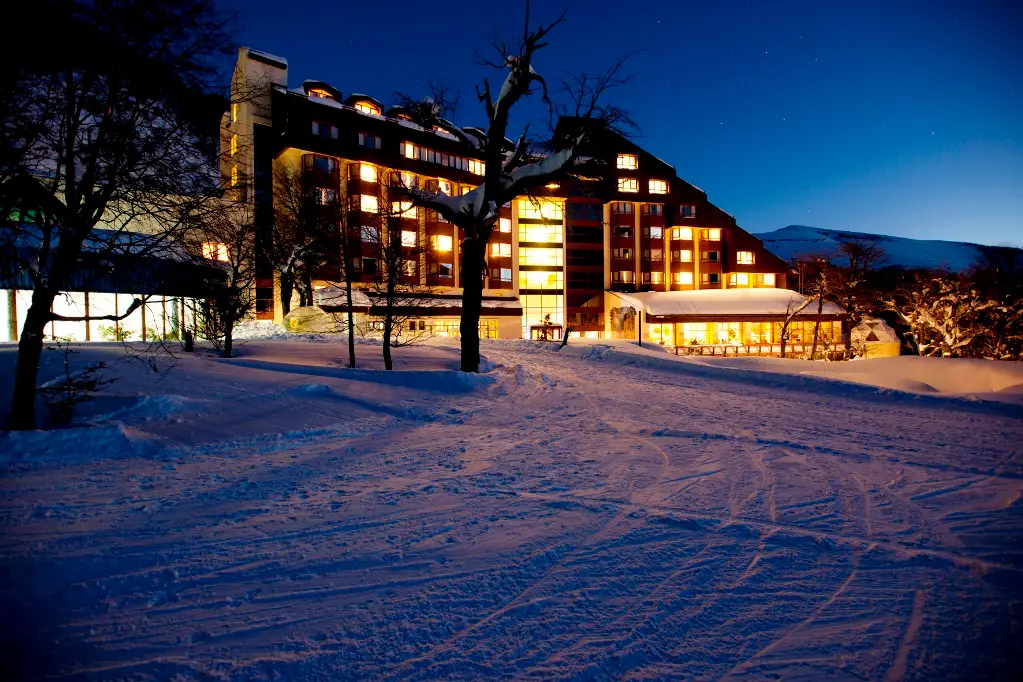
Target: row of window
[738, 333]
[541, 209]
[415, 151]
[631, 185]
[628, 208]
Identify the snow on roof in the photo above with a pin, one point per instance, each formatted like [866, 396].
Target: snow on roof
[266, 55]
[723, 302]
[334, 296]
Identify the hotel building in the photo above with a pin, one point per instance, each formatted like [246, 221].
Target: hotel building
[601, 256]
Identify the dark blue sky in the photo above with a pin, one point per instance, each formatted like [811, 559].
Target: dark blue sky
[902, 118]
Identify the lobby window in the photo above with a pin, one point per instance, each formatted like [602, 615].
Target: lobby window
[628, 161]
[657, 277]
[504, 225]
[498, 250]
[531, 279]
[325, 130]
[367, 173]
[687, 211]
[682, 256]
[765, 280]
[658, 186]
[682, 233]
[710, 256]
[684, 278]
[409, 238]
[710, 278]
[367, 108]
[628, 185]
[653, 232]
[441, 242]
[623, 277]
[369, 141]
[713, 234]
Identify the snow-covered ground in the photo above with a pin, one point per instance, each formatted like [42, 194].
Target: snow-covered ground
[600, 512]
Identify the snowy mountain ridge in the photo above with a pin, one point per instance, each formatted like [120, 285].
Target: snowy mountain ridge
[796, 240]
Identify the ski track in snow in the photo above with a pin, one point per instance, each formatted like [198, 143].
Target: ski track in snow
[561, 518]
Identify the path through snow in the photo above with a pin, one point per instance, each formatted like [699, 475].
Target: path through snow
[568, 515]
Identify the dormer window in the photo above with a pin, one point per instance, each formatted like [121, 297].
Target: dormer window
[322, 94]
[367, 108]
[628, 161]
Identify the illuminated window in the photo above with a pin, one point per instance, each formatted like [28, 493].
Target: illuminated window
[653, 254]
[550, 234]
[685, 278]
[540, 256]
[682, 256]
[710, 256]
[467, 188]
[683, 233]
[368, 203]
[628, 161]
[628, 185]
[409, 268]
[439, 269]
[234, 176]
[322, 94]
[541, 280]
[541, 209]
[408, 179]
[502, 274]
[767, 281]
[623, 277]
[324, 130]
[409, 238]
[657, 277]
[214, 251]
[403, 209]
[504, 224]
[234, 112]
[744, 257]
[738, 279]
[367, 108]
[234, 145]
[441, 242]
[713, 234]
[445, 187]
[658, 186]
[687, 211]
[477, 167]
[369, 141]
[653, 232]
[367, 172]
[502, 250]
[622, 253]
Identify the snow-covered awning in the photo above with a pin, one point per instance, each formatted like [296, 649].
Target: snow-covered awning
[723, 303]
[333, 297]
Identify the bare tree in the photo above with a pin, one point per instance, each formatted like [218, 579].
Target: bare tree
[226, 236]
[512, 172]
[849, 281]
[110, 119]
[792, 308]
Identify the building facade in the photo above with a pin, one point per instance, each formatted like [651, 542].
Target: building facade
[556, 258]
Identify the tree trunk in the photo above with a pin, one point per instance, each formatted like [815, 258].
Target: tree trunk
[817, 327]
[30, 349]
[784, 335]
[351, 316]
[307, 280]
[388, 365]
[472, 303]
[287, 289]
[228, 339]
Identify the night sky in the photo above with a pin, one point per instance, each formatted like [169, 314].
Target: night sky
[901, 118]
